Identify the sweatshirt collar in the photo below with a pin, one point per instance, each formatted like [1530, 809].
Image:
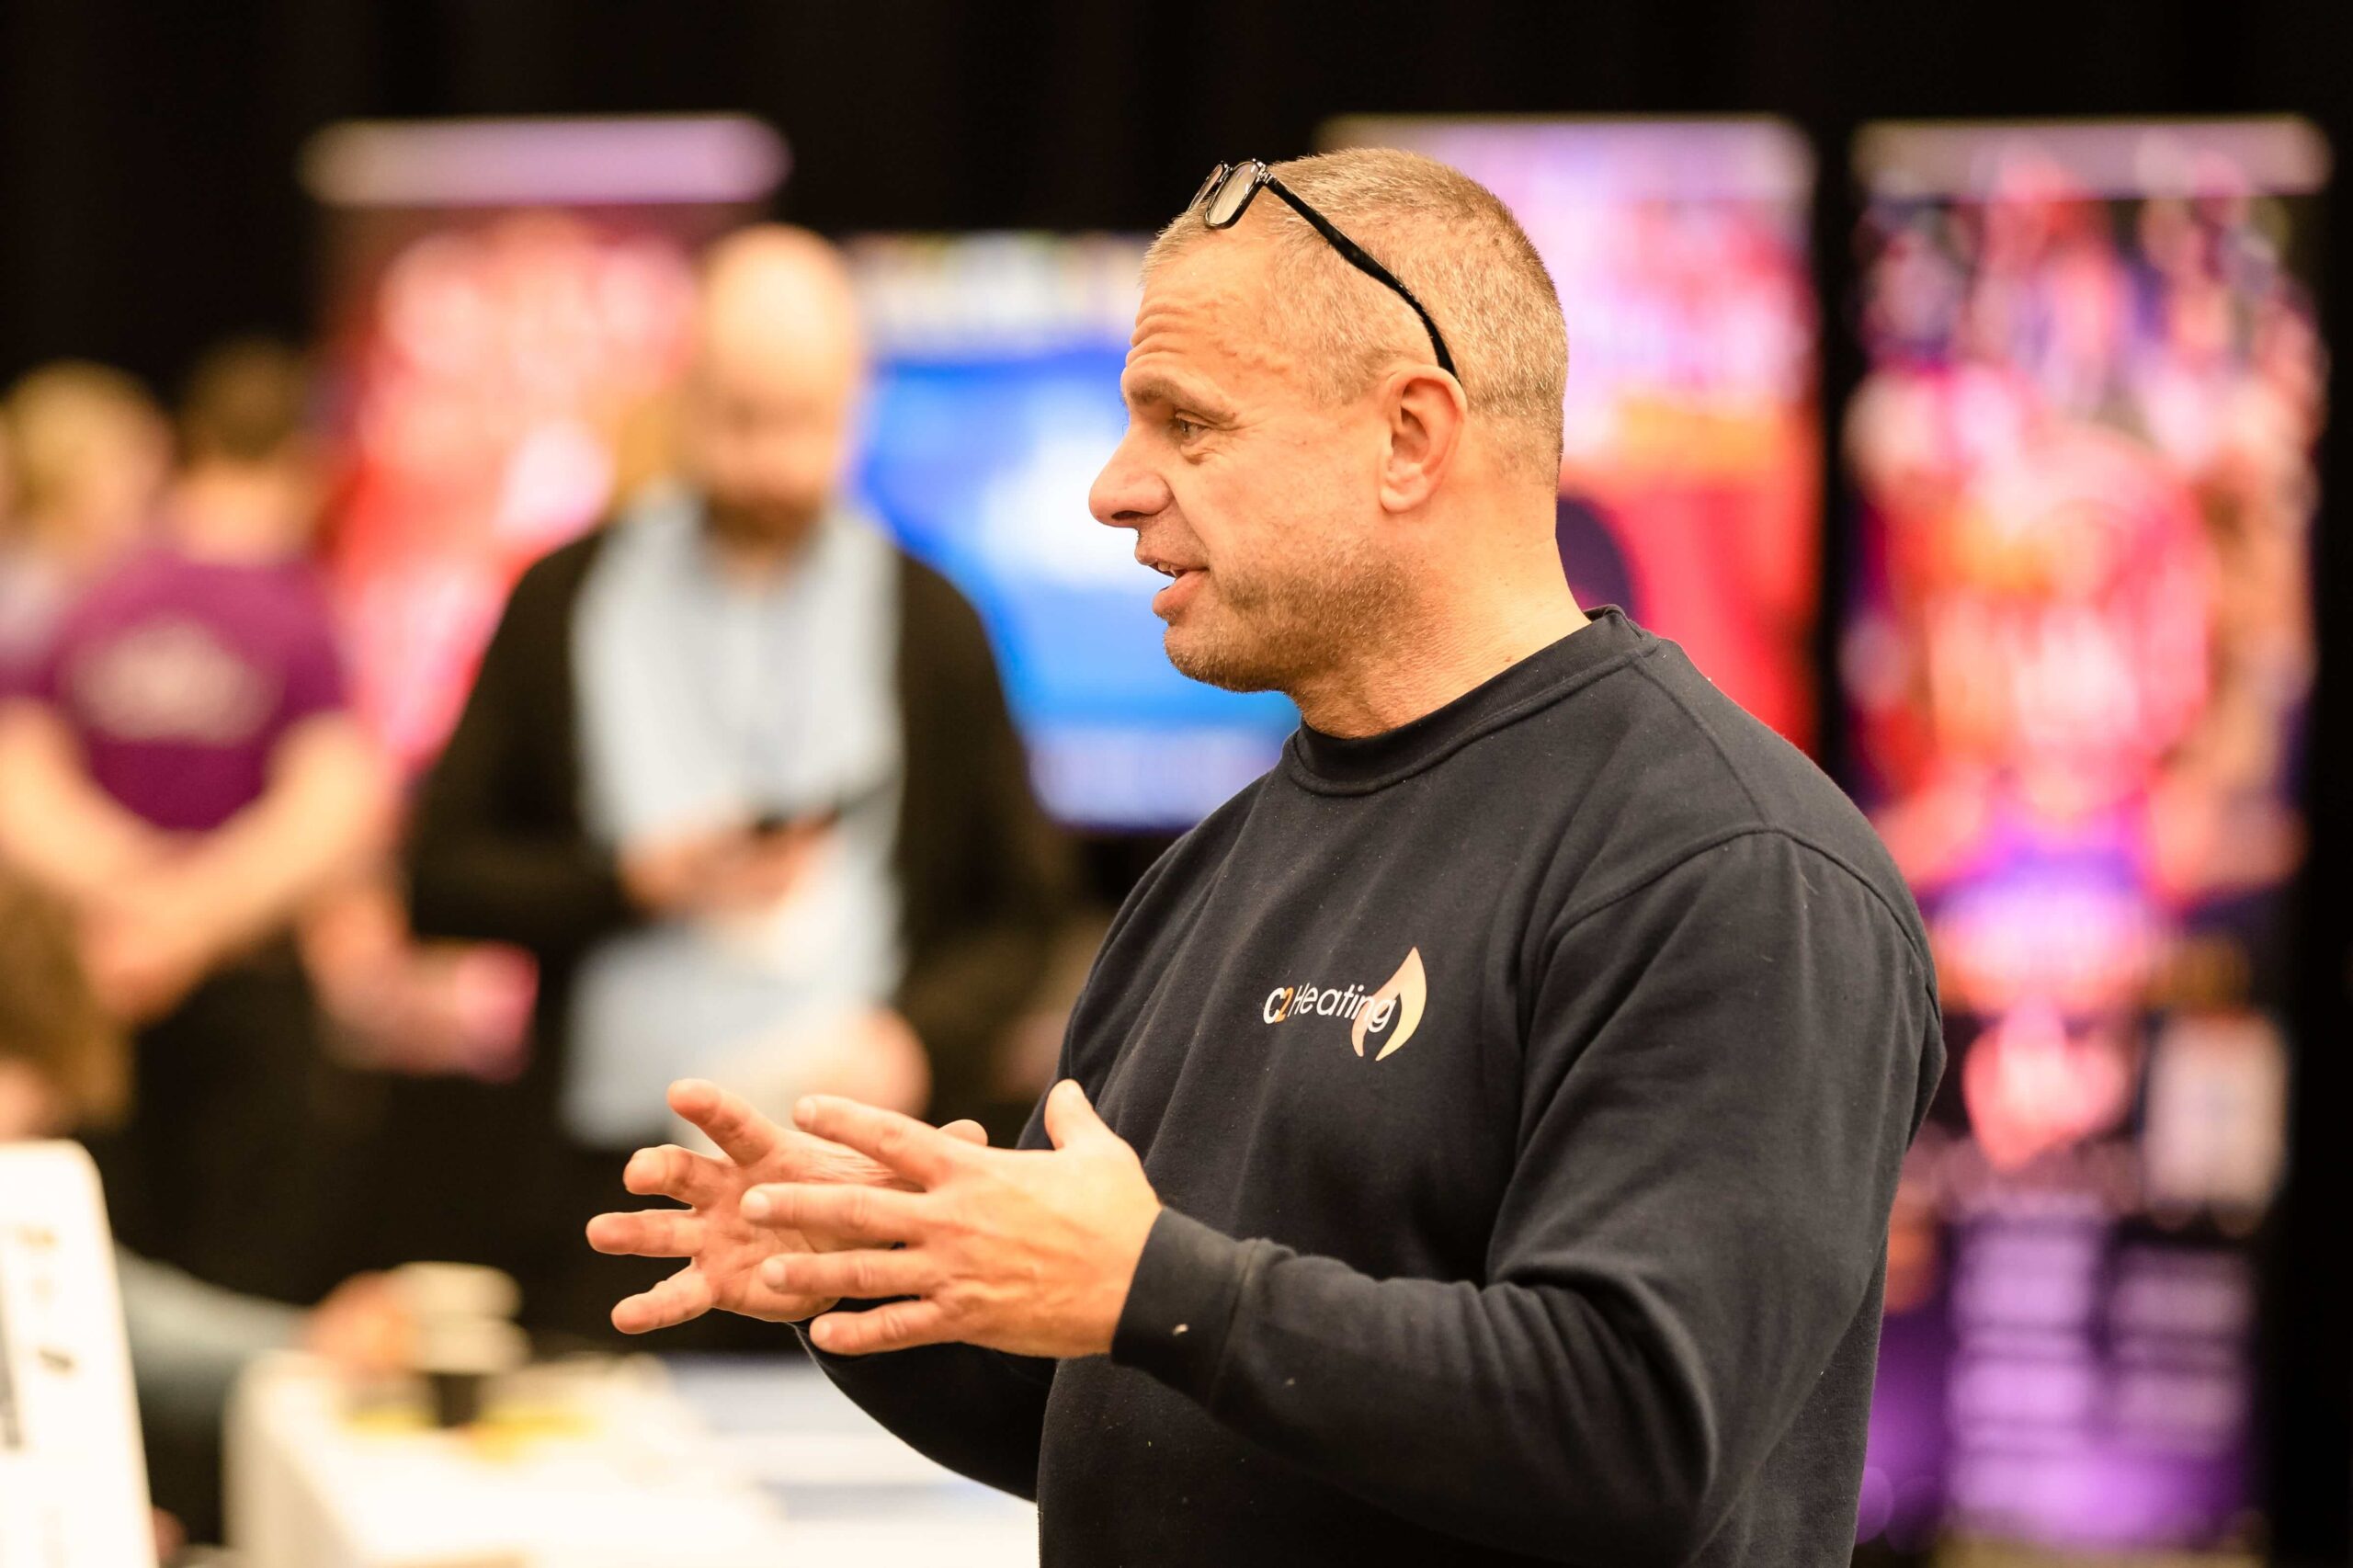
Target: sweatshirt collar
[1337, 765]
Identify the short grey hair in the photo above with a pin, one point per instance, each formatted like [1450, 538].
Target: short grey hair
[1456, 247]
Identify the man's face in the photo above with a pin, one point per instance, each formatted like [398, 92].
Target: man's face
[1259, 499]
[765, 431]
[111, 493]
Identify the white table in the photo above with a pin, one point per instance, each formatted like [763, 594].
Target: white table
[853, 1494]
[723, 1462]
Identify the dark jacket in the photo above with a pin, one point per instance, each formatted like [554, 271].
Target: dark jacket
[498, 851]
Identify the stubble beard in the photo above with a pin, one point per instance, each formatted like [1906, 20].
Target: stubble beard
[1282, 631]
[766, 524]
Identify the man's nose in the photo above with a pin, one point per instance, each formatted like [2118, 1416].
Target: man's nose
[1126, 491]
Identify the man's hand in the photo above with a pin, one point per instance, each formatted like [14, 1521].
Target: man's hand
[1022, 1250]
[720, 870]
[724, 1249]
[362, 1328]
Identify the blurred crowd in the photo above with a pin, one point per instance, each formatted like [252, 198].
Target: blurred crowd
[736, 794]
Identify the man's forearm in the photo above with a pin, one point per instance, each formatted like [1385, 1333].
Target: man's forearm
[57, 827]
[551, 895]
[1533, 1418]
[324, 819]
[979, 1412]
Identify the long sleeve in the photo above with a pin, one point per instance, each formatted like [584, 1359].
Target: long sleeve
[979, 1412]
[1723, 1067]
[189, 1340]
[496, 851]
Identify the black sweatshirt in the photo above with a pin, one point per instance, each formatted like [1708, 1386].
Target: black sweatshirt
[1527, 1087]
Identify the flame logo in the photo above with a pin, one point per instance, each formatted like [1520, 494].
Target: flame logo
[1409, 989]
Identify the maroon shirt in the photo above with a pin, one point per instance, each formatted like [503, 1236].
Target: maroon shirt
[180, 676]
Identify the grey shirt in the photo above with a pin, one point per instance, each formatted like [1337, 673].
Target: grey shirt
[189, 1340]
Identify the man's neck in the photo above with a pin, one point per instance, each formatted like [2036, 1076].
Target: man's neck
[751, 557]
[1475, 624]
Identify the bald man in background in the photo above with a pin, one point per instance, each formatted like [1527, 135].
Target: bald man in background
[740, 774]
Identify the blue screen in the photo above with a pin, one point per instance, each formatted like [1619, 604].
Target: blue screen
[989, 420]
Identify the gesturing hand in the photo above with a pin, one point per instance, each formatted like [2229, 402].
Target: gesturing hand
[1023, 1251]
[724, 1250]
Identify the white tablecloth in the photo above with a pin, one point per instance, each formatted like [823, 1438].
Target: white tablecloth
[724, 1462]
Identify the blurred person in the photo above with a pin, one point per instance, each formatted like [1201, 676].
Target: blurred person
[1566, 1240]
[252, 487]
[739, 774]
[84, 452]
[183, 769]
[65, 1070]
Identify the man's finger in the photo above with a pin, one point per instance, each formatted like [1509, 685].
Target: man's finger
[857, 1275]
[672, 1172]
[894, 1325]
[814, 1159]
[902, 1142]
[684, 1295]
[743, 1134]
[1071, 1118]
[654, 1233]
[818, 1160]
[860, 1213]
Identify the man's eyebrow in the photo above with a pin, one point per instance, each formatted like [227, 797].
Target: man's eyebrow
[1153, 387]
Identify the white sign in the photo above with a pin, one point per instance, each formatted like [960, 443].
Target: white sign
[73, 1485]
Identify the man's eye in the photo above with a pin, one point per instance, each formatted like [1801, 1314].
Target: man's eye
[1185, 429]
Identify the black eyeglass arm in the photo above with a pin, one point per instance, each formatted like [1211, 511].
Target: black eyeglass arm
[1364, 263]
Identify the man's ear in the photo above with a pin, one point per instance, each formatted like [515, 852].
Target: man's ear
[1425, 413]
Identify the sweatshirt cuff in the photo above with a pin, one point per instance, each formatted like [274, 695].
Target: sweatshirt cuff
[1181, 1304]
[846, 1305]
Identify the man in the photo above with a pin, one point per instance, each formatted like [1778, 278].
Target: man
[1480, 1133]
[740, 775]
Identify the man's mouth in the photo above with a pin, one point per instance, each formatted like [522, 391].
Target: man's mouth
[1171, 570]
[1181, 576]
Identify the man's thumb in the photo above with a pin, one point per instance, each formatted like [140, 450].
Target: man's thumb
[1070, 1119]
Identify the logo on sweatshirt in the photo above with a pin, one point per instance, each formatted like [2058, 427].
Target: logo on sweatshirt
[1388, 1015]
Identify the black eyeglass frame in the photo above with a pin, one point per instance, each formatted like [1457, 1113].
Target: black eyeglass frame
[1261, 177]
